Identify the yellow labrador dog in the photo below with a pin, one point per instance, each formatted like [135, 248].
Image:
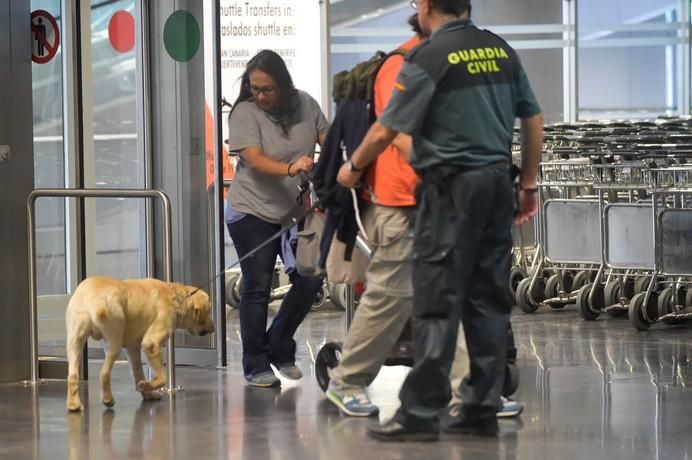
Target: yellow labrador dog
[135, 314]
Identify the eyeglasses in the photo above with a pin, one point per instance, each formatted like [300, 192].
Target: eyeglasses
[414, 4]
[266, 90]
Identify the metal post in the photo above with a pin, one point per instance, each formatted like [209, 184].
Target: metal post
[350, 304]
[33, 313]
[684, 70]
[326, 60]
[144, 120]
[217, 213]
[571, 62]
[94, 193]
[168, 276]
[216, 266]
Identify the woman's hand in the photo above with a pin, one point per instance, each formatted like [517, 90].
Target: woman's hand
[302, 164]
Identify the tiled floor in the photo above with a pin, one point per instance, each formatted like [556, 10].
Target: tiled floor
[595, 390]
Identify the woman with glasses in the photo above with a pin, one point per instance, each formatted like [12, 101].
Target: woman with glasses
[274, 128]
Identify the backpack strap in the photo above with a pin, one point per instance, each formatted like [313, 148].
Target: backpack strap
[371, 89]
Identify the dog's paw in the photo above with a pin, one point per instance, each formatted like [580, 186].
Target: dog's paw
[75, 406]
[144, 387]
[109, 402]
[151, 396]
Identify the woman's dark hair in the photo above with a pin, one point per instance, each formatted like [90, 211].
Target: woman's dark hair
[272, 64]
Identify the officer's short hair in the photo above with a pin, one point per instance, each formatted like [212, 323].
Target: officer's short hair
[453, 7]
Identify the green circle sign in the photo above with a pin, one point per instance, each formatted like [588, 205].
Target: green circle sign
[181, 36]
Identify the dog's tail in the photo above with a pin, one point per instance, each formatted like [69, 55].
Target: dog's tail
[100, 314]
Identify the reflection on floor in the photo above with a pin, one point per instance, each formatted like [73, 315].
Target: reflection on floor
[593, 390]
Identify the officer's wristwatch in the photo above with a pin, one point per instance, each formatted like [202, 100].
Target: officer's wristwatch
[352, 168]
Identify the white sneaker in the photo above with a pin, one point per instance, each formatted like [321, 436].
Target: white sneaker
[509, 408]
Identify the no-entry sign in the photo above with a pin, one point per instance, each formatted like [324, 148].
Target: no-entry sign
[45, 37]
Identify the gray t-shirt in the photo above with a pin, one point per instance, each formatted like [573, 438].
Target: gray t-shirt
[271, 198]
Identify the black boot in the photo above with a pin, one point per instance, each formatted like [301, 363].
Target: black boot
[394, 431]
[478, 426]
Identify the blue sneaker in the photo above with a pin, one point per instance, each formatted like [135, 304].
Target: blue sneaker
[290, 371]
[355, 405]
[510, 408]
[263, 380]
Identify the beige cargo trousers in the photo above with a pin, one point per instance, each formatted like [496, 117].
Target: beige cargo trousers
[386, 305]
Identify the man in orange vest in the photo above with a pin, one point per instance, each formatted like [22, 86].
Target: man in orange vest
[387, 302]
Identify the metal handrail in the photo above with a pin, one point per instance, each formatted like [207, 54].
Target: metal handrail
[94, 193]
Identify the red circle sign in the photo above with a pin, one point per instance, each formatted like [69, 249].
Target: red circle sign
[45, 37]
[121, 31]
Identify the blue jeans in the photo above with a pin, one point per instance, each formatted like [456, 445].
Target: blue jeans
[276, 345]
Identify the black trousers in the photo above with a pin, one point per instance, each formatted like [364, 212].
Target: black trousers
[462, 256]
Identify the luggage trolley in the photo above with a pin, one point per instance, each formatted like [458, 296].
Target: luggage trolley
[525, 242]
[556, 145]
[626, 234]
[671, 189]
[621, 178]
[568, 226]
[524, 252]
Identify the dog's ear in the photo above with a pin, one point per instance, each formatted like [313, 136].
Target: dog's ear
[197, 308]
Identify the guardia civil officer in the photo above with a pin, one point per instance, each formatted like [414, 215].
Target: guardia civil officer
[458, 96]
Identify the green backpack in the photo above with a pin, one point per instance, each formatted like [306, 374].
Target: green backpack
[359, 82]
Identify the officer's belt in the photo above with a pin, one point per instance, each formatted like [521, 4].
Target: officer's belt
[439, 177]
[439, 174]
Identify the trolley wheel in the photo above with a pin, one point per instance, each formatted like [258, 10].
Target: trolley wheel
[636, 312]
[665, 301]
[580, 279]
[511, 379]
[552, 290]
[583, 303]
[611, 296]
[516, 275]
[567, 281]
[642, 284]
[552, 287]
[521, 296]
[629, 288]
[337, 294]
[539, 288]
[320, 299]
[232, 291]
[597, 298]
[327, 358]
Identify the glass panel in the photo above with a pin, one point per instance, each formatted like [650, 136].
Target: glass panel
[49, 161]
[536, 31]
[49, 172]
[629, 58]
[183, 123]
[116, 163]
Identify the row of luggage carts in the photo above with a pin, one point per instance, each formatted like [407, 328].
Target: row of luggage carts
[614, 231]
